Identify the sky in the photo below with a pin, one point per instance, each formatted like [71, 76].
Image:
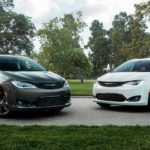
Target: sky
[104, 10]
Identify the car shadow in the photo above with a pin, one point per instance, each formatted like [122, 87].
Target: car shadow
[131, 109]
[36, 115]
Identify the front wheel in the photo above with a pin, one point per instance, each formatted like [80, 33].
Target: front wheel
[148, 105]
[4, 110]
[104, 105]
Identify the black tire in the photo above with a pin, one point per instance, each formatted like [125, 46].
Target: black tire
[104, 105]
[4, 109]
[148, 105]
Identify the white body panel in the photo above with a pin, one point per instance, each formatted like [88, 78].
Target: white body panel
[127, 91]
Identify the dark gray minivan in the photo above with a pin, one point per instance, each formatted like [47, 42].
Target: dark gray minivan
[25, 85]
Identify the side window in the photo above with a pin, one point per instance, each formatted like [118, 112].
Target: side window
[8, 65]
[143, 66]
[147, 66]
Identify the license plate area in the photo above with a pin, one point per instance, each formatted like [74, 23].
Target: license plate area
[50, 101]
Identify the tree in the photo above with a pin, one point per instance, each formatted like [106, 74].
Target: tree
[98, 44]
[16, 30]
[60, 48]
[143, 9]
[139, 46]
[78, 62]
[129, 38]
[120, 35]
[141, 37]
[6, 5]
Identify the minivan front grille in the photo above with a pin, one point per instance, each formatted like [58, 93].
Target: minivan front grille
[111, 97]
[55, 85]
[111, 84]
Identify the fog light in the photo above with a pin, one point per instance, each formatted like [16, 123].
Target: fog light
[20, 102]
[134, 98]
[23, 103]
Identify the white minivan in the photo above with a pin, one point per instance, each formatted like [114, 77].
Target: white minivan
[127, 85]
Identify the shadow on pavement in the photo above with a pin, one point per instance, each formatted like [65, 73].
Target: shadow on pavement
[131, 109]
[36, 115]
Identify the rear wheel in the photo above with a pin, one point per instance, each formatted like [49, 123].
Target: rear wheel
[104, 105]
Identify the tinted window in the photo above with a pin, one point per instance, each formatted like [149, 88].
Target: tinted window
[131, 66]
[19, 64]
[142, 66]
[7, 64]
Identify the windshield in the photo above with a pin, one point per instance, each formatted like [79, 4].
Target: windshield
[131, 66]
[19, 64]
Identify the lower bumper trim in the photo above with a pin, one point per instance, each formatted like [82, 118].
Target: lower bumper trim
[124, 103]
[29, 108]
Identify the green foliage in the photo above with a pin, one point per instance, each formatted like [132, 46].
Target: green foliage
[16, 31]
[6, 5]
[60, 50]
[81, 89]
[129, 38]
[143, 9]
[120, 35]
[74, 137]
[98, 44]
[139, 46]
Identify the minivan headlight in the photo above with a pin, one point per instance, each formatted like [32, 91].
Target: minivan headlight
[96, 82]
[21, 84]
[135, 82]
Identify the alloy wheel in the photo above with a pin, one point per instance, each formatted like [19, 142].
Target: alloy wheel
[4, 110]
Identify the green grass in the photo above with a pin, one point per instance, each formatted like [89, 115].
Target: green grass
[74, 138]
[81, 89]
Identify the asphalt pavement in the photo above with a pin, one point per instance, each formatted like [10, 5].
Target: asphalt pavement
[83, 112]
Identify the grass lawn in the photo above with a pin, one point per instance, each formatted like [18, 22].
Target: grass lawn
[81, 89]
[74, 138]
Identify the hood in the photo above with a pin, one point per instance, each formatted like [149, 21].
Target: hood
[124, 76]
[36, 76]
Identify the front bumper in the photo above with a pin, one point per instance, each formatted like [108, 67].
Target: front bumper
[126, 92]
[34, 108]
[38, 99]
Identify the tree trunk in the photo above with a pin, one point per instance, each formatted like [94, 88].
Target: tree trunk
[81, 78]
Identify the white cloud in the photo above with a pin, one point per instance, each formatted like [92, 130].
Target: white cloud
[38, 10]
[103, 10]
